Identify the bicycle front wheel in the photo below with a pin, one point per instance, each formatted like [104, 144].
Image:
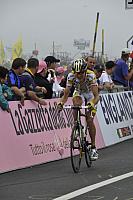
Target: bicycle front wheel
[76, 149]
[87, 156]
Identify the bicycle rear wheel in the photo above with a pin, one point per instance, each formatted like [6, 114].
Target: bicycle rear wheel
[87, 155]
[76, 149]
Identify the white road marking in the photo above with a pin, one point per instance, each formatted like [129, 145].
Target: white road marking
[44, 197]
[116, 198]
[97, 198]
[93, 187]
[40, 197]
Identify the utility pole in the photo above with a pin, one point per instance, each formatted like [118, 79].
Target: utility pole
[102, 46]
[35, 52]
[95, 35]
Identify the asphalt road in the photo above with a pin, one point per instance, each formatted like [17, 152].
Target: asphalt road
[52, 180]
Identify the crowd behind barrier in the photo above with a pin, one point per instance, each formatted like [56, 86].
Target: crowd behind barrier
[49, 79]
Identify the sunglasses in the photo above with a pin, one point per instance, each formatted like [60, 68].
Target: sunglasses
[80, 73]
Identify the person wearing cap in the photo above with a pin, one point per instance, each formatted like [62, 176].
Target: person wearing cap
[105, 78]
[60, 73]
[27, 79]
[51, 62]
[121, 75]
[41, 80]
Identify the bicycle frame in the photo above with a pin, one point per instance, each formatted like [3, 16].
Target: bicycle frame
[78, 121]
[79, 125]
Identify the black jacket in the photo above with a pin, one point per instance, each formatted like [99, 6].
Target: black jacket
[43, 82]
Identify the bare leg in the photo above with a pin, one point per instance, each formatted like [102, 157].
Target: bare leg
[92, 128]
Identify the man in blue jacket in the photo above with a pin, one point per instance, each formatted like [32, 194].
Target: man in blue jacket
[121, 74]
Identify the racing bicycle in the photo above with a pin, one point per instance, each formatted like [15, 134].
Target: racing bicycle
[79, 146]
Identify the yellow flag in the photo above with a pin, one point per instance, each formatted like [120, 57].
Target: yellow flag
[17, 49]
[2, 53]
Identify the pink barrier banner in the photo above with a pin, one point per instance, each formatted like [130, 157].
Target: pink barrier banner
[33, 134]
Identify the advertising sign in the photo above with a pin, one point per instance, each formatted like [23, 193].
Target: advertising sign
[32, 134]
[129, 4]
[115, 116]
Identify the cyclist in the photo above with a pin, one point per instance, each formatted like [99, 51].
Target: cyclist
[85, 84]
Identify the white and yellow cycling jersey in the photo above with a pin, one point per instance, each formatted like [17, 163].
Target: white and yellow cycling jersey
[82, 87]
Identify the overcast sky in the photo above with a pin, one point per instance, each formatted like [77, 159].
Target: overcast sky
[62, 21]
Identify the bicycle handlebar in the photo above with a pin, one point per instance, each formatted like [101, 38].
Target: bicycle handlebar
[74, 107]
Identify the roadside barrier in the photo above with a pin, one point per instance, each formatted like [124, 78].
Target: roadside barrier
[32, 134]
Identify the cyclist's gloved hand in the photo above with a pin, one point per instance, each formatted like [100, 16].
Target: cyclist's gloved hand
[60, 106]
[91, 107]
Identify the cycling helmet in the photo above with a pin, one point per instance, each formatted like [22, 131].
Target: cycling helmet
[79, 65]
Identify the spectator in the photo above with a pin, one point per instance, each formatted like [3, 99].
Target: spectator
[98, 69]
[28, 81]
[51, 62]
[59, 75]
[13, 79]
[105, 78]
[121, 76]
[5, 91]
[91, 61]
[41, 80]
[131, 67]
